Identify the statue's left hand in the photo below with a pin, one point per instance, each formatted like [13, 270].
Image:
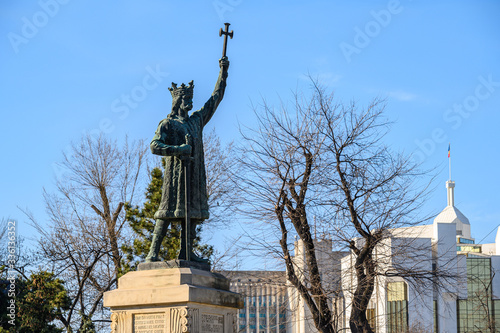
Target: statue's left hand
[224, 63]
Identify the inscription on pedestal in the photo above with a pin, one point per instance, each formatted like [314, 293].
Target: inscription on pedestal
[212, 323]
[149, 323]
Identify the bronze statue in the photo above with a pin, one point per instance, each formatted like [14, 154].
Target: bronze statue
[179, 138]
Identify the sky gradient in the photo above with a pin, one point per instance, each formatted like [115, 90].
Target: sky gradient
[70, 67]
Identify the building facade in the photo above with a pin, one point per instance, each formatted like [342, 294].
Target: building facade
[265, 299]
[466, 299]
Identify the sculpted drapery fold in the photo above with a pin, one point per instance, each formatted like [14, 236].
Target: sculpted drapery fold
[173, 132]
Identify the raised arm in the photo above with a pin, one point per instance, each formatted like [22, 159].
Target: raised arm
[208, 110]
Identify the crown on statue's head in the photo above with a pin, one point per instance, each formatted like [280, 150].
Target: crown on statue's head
[183, 90]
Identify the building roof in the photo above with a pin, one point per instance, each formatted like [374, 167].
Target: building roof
[451, 214]
[277, 277]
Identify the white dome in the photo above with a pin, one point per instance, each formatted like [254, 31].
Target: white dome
[451, 214]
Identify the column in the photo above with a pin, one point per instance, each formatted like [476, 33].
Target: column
[258, 292]
[247, 308]
[268, 301]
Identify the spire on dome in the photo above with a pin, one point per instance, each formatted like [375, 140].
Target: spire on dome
[451, 214]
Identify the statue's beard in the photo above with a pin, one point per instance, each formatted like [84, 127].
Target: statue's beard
[180, 110]
[184, 113]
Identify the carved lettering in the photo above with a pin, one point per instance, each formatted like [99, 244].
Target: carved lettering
[149, 323]
[212, 323]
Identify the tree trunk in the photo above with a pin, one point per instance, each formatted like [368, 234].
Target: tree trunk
[364, 290]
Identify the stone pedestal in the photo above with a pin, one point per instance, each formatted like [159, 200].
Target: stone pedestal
[161, 299]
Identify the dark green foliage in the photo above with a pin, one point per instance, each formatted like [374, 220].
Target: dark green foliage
[87, 326]
[4, 303]
[142, 223]
[203, 250]
[38, 302]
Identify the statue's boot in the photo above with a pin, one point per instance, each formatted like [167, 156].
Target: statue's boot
[158, 235]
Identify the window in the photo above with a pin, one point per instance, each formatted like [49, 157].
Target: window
[370, 315]
[478, 313]
[435, 313]
[397, 307]
[397, 291]
[469, 248]
[465, 241]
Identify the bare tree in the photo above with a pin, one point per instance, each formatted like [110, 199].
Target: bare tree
[221, 166]
[81, 242]
[373, 191]
[479, 304]
[280, 160]
[4, 239]
[4, 227]
[13, 252]
[327, 159]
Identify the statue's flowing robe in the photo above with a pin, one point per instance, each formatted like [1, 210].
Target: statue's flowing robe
[171, 133]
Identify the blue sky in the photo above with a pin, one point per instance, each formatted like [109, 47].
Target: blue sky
[68, 66]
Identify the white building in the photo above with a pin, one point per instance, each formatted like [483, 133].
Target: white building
[300, 318]
[468, 302]
[265, 299]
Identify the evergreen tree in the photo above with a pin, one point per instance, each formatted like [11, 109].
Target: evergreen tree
[87, 325]
[141, 221]
[39, 301]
